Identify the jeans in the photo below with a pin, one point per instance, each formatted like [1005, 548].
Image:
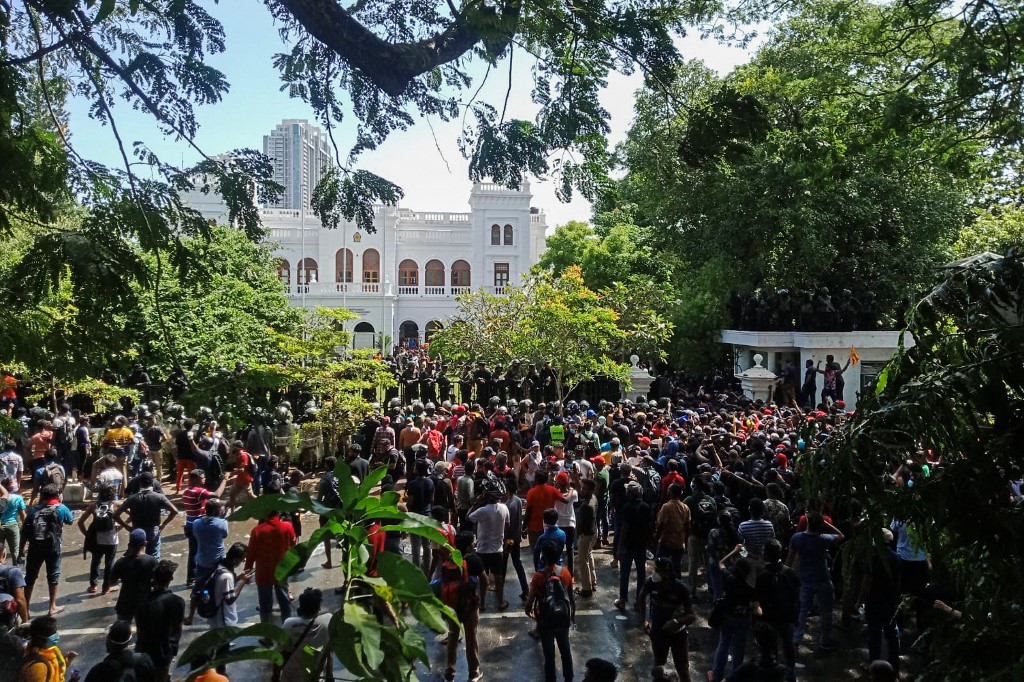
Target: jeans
[716, 582]
[627, 557]
[617, 525]
[570, 543]
[676, 555]
[602, 519]
[732, 639]
[106, 553]
[678, 644]
[153, 543]
[785, 633]
[35, 560]
[514, 552]
[585, 563]
[809, 589]
[882, 622]
[548, 637]
[696, 557]
[193, 547]
[265, 596]
[420, 552]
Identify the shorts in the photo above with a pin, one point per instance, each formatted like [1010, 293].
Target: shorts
[35, 560]
[493, 563]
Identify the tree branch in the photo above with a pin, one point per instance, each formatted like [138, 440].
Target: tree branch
[390, 66]
[40, 53]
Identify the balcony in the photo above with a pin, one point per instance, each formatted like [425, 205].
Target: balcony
[433, 291]
[498, 290]
[370, 287]
[408, 291]
[438, 237]
[334, 288]
[458, 291]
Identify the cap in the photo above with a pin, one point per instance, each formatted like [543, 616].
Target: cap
[440, 467]
[120, 633]
[137, 537]
[562, 478]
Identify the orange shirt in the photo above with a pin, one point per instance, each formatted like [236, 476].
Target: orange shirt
[539, 498]
[541, 577]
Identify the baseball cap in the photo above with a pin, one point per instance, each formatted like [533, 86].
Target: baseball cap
[562, 477]
[137, 537]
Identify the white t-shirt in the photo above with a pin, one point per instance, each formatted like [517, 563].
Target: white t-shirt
[585, 467]
[490, 521]
[566, 512]
[223, 590]
[14, 465]
[452, 451]
[316, 637]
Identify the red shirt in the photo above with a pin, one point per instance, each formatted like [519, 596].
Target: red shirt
[801, 525]
[539, 498]
[268, 543]
[377, 540]
[670, 478]
[194, 500]
[242, 477]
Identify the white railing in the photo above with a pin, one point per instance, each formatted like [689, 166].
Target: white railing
[370, 287]
[458, 291]
[433, 291]
[436, 236]
[498, 291]
[336, 288]
[459, 217]
[536, 217]
[408, 291]
[491, 187]
[293, 234]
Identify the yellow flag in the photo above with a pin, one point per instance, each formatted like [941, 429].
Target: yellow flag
[854, 358]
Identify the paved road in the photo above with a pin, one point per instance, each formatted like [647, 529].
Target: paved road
[507, 652]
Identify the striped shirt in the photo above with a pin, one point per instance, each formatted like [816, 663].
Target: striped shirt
[194, 500]
[755, 533]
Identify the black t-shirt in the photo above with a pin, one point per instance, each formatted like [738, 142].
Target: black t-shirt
[144, 508]
[637, 526]
[154, 437]
[184, 445]
[159, 621]
[617, 493]
[738, 595]
[884, 591]
[420, 494]
[360, 468]
[110, 667]
[666, 597]
[136, 576]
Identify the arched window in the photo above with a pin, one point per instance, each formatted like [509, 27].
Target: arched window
[508, 235]
[432, 328]
[371, 266]
[343, 265]
[309, 271]
[408, 273]
[461, 274]
[284, 271]
[495, 235]
[363, 328]
[433, 273]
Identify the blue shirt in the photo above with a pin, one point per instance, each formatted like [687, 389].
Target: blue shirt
[905, 548]
[551, 534]
[813, 552]
[15, 503]
[209, 532]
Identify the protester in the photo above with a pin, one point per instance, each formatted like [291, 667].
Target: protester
[44, 661]
[552, 604]
[100, 537]
[135, 572]
[309, 627]
[42, 533]
[159, 619]
[121, 663]
[269, 541]
[671, 611]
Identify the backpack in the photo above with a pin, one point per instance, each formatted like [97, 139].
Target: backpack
[784, 605]
[203, 594]
[329, 496]
[555, 611]
[104, 519]
[63, 432]
[54, 473]
[250, 465]
[457, 591]
[650, 481]
[45, 528]
[443, 494]
[705, 516]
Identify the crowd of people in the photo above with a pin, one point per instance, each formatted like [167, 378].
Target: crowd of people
[703, 485]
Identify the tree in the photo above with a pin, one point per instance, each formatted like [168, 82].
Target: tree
[368, 634]
[997, 230]
[548, 319]
[787, 175]
[968, 344]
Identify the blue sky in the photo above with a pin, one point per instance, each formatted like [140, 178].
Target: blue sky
[433, 180]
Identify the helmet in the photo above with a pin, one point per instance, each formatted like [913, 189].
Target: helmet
[513, 404]
[584, 405]
[153, 405]
[447, 404]
[526, 404]
[430, 407]
[572, 406]
[395, 402]
[494, 401]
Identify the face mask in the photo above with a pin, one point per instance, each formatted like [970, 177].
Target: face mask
[53, 640]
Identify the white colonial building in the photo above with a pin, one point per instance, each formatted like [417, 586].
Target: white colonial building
[402, 279]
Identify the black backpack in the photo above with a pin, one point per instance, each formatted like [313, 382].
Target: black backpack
[650, 481]
[54, 473]
[443, 494]
[45, 528]
[785, 588]
[705, 516]
[554, 606]
[203, 594]
[104, 518]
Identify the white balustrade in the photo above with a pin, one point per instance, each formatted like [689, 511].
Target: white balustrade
[408, 291]
[433, 291]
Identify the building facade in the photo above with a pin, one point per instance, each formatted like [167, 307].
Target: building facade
[402, 280]
[301, 155]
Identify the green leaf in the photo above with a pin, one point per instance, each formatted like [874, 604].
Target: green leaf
[344, 645]
[375, 477]
[430, 614]
[881, 381]
[403, 575]
[369, 633]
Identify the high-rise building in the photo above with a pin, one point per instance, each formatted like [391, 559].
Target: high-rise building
[301, 154]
